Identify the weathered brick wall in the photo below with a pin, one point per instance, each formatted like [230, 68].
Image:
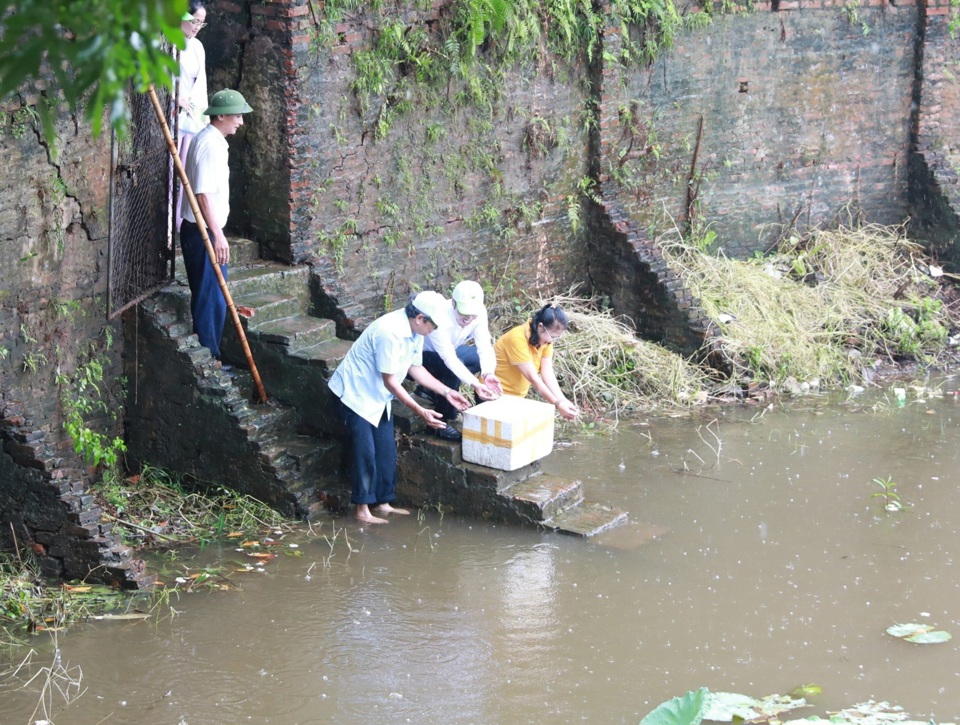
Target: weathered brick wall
[935, 167]
[804, 111]
[755, 123]
[446, 193]
[53, 242]
[53, 229]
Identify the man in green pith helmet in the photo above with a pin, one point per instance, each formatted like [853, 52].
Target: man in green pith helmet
[208, 171]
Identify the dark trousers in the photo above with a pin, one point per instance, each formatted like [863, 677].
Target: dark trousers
[437, 368]
[207, 305]
[373, 454]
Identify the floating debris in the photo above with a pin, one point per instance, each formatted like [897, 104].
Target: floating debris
[918, 633]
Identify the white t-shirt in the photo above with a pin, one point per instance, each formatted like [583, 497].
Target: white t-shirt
[208, 169]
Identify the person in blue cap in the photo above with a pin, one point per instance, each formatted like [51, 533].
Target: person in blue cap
[367, 381]
[208, 171]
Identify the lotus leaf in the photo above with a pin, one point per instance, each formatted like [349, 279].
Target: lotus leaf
[686, 710]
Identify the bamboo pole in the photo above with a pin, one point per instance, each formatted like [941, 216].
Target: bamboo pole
[188, 190]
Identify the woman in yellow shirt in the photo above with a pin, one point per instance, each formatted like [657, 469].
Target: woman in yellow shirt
[525, 358]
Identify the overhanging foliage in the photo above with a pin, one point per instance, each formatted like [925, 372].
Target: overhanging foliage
[90, 50]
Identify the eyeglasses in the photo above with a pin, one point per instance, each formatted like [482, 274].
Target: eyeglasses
[198, 24]
[552, 335]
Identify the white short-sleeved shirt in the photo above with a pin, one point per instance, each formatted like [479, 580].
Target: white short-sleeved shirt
[208, 169]
[445, 341]
[388, 346]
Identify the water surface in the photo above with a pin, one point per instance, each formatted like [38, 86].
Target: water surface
[755, 561]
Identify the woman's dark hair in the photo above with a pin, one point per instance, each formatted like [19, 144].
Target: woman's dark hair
[196, 5]
[411, 310]
[549, 316]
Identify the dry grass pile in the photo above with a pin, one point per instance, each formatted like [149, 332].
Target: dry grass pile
[607, 371]
[823, 308]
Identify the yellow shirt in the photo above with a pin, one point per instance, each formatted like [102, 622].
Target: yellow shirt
[513, 349]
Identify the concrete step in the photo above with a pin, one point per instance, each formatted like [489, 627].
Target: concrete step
[269, 277]
[307, 464]
[270, 421]
[174, 299]
[544, 497]
[243, 251]
[268, 306]
[586, 519]
[326, 355]
[294, 332]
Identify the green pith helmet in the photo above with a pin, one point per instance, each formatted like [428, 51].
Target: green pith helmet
[227, 103]
[186, 18]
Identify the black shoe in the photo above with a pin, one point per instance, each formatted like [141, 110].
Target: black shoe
[422, 392]
[449, 434]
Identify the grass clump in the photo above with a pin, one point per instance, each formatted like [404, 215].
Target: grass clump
[154, 509]
[159, 508]
[829, 306]
[607, 370]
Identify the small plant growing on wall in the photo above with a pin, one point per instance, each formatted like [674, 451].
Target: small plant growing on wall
[851, 13]
[539, 138]
[82, 399]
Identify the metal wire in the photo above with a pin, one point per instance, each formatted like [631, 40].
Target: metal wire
[141, 208]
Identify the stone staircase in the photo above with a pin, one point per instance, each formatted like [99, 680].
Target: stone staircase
[433, 471]
[294, 350]
[295, 434]
[270, 450]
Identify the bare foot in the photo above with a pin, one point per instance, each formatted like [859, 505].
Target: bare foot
[386, 508]
[363, 515]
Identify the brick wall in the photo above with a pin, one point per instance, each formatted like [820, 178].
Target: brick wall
[445, 194]
[756, 123]
[803, 111]
[794, 116]
[935, 167]
[53, 246]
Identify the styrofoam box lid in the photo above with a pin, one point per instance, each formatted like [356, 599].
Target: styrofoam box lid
[510, 409]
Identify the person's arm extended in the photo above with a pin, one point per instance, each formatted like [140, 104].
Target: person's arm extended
[217, 239]
[545, 383]
[443, 346]
[419, 373]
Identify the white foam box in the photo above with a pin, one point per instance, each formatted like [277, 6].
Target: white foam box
[508, 432]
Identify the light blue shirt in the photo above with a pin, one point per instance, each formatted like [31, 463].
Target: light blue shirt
[389, 346]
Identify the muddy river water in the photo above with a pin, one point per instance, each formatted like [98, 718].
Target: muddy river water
[756, 561]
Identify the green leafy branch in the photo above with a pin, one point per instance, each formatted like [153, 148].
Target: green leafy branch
[90, 50]
[82, 399]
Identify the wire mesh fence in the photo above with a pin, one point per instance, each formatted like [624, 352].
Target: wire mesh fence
[141, 206]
